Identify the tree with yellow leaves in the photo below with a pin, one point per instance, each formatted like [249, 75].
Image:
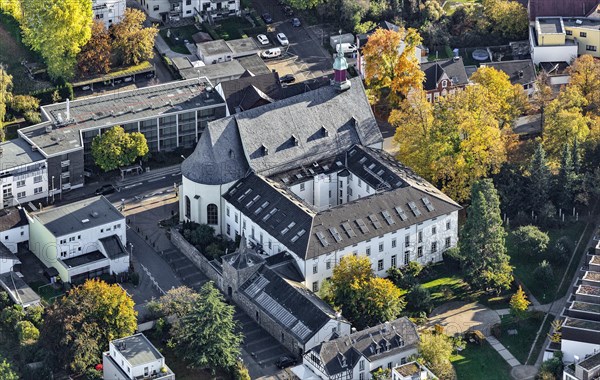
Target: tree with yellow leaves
[391, 65]
[519, 304]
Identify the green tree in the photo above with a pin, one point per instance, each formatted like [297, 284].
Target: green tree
[116, 148]
[530, 241]
[131, 40]
[565, 181]
[5, 97]
[207, 336]
[419, 299]
[57, 29]
[364, 299]
[435, 350]
[24, 103]
[94, 57]
[538, 189]
[519, 304]
[27, 332]
[6, 371]
[543, 274]
[79, 326]
[576, 156]
[507, 18]
[178, 302]
[482, 244]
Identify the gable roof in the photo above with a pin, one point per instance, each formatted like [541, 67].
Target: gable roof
[518, 71]
[384, 340]
[290, 304]
[453, 68]
[6, 254]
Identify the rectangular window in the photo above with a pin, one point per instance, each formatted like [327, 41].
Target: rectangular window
[394, 261]
[448, 225]
[419, 251]
[21, 183]
[228, 229]
[448, 242]
[433, 230]
[380, 264]
[393, 243]
[328, 265]
[406, 257]
[315, 286]
[236, 218]
[156, 8]
[349, 191]
[315, 268]
[72, 238]
[37, 179]
[582, 34]
[359, 183]
[361, 365]
[368, 251]
[380, 247]
[21, 194]
[329, 193]
[302, 187]
[434, 247]
[569, 32]
[590, 47]
[420, 237]
[407, 241]
[361, 376]
[37, 190]
[227, 210]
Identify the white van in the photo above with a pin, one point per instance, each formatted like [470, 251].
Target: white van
[271, 53]
[346, 48]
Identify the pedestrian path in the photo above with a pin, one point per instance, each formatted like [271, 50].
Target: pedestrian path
[150, 176]
[506, 355]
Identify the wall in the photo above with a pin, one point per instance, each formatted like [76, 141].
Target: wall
[43, 245]
[572, 348]
[108, 11]
[11, 238]
[592, 37]
[6, 265]
[197, 258]
[88, 239]
[539, 54]
[326, 332]
[67, 170]
[207, 194]
[29, 179]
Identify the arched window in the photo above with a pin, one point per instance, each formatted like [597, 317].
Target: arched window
[188, 207]
[212, 214]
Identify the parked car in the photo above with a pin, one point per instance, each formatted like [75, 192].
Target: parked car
[271, 53]
[346, 48]
[288, 11]
[296, 22]
[105, 190]
[288, 78]
[262, 39]
[267, 18]
[284, 362]
[282, 39]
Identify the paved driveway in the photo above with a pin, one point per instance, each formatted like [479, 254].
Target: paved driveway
[459, 317]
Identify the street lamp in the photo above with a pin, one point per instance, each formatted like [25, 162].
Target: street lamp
[52, 189]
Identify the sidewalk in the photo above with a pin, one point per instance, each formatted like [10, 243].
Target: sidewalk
[506, 355]
[150, 176]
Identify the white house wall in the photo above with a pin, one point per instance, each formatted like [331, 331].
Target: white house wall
[108, 11]
[88, 240]
[135, 371]
[6, 265]
[11, 238]
[326, 333]
[27, 186]
[207, 194]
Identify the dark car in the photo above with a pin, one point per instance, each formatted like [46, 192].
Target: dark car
[105, 190]
[267, 18]
[284, 362]
[288, 78]
[288, 11]
[296, 22]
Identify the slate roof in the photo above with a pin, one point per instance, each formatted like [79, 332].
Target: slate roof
[371, 343]
[294, 307]
[539, 8]
[18, 290]
[11, 218]
[243, 257]
[78, 216]
[284, 264]
[519, 72]
[137, 349]
[113, 247]
[6, 254]
[309, 233]
[453, 68]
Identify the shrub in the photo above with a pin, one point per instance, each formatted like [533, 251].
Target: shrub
[24, 103]
[240, 372]
[419, 299]
[11, 315]
[543, 273]
[452, 257]
[35, 315]
[529, 240]
[409, 274]
[562, 250]
[33, 117]
[27, 332]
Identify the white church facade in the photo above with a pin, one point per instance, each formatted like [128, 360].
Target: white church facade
[307, 175]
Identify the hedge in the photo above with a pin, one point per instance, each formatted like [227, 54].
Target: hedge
[45, 95]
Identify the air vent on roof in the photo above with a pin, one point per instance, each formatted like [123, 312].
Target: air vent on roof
[427, 204]
[336, 235]
[94, 214]
[85, 220]
[414, 208]
[363, 227]
[322, 239]
[401, 213]
[373, 218]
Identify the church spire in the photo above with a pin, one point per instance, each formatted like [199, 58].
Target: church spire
[340, 67]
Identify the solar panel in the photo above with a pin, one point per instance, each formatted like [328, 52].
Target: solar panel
[322, 238]
[276, 310]
[414, 208]
[401, 213]
[387, 217]
[373, 218]
[258, 285]
[363, 227]
[348, 229]
[428, 204]
[335, 233]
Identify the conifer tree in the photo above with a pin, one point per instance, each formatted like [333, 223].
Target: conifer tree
[538, 189]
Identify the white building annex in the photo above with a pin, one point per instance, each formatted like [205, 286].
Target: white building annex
[307, 175]
[108, 11]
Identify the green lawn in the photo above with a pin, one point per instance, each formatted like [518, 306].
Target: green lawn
[525, 266]
[480, 362]
[520, 344]
[13, 52]
[182, 33]
[451, 5]
[230, 28]
[47, 292]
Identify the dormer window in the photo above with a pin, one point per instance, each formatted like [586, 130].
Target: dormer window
[295, 140]
[444, 83]
[265, 150]
[324, 131]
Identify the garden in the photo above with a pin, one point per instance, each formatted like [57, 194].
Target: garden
[480, 361]
[176, 37]
[202, 236]
[518, 335]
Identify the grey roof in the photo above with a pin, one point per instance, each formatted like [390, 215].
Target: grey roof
[181, 63]
[116, 109]
[307, 233]
[243, 257]
[254, 64]
[137, 349]
[453, 68]
[12, 217]
[18, 290]
[78, 216]
[347, 117]
[88, 258]
[550, 25]
[373, 343]
[284, 264]
[218, 157]
[243, 46]
[6, 254]
[519, 72]
[113, 247]
[290, 304]
[17, 152]
[591, 362]
[215, 73]
[215, 47]
[582, 22]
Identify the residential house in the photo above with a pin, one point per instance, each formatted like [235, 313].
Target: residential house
[218, 51]
[134, 357]
[356, 356]
[8, 260]
[444, 77]
[18, 291]
[586, 369]
[81, 240]
[412, 371]
[521, 72]
[14, 227]
[108, 11]
[557, 72]
[201, 10]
